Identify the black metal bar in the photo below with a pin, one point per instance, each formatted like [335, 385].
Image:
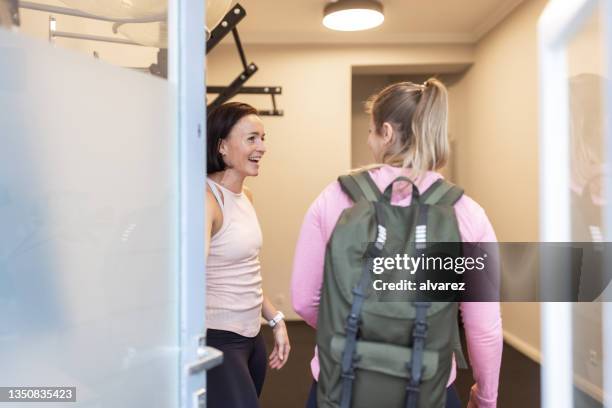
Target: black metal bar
[14, 10]
[239, 47]
[266, 112]
[229, 22]
[234, 87]
[160, 68]
[253, 90]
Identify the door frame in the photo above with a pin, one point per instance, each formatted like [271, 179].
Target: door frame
[560, 20]
[186, 65]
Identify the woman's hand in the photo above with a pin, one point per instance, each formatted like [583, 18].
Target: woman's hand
[280, 354]
[473, 402]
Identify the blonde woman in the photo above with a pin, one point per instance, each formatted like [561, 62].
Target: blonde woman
[407, 137]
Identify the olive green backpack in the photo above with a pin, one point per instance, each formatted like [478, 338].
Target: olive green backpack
[373, 351]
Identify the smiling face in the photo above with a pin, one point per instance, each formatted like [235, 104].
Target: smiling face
[244, 147]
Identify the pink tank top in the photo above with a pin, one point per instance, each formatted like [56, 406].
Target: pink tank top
[233, 274]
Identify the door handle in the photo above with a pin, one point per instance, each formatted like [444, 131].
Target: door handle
[209, 357]
[199, 398]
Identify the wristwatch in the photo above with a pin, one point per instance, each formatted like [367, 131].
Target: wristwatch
[277, 318]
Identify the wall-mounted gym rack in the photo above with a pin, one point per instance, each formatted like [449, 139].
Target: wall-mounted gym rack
[160, 67]
[228, 24]
[255, 90]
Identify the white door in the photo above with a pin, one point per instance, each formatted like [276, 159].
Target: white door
[101, 222]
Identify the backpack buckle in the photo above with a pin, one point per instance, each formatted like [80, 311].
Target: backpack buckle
[419, 330]
[412, 388]
[352, 319]
[352, 324]
[348, 374]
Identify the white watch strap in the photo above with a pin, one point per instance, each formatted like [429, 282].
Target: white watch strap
[277, 318]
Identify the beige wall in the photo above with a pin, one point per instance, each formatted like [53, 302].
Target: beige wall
[311, 145]
[498, 150]
[498, 165]
[498, 146]
[502, 126]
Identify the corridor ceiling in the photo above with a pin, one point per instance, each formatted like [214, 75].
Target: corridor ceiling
[406, 22]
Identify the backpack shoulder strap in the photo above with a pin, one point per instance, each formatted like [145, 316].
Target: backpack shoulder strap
[360, 186]
[442, 192]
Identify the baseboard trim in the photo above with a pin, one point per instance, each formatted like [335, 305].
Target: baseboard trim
[521, 345]
[534, 354]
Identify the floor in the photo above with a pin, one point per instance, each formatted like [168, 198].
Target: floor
[288, 388]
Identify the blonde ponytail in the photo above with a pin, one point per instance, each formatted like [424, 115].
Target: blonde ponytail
[419, 117]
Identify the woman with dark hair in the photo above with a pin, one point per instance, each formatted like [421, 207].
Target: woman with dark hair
[234, 297]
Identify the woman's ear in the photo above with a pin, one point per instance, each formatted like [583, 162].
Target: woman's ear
[222, 147]
[387, 133]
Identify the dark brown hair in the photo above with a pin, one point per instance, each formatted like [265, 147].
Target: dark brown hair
[219, 124]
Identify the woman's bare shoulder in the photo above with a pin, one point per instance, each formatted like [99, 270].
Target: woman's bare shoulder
[247, 191]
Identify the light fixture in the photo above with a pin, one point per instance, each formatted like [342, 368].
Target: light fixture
[353, 15]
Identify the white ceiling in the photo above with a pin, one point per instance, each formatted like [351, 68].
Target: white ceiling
[406, 21]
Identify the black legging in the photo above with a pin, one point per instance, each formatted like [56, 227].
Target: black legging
[452, 399]
[238, 381]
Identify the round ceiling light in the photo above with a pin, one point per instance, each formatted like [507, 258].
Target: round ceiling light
[353, 15]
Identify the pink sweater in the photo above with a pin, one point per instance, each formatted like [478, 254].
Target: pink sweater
[482, 321]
